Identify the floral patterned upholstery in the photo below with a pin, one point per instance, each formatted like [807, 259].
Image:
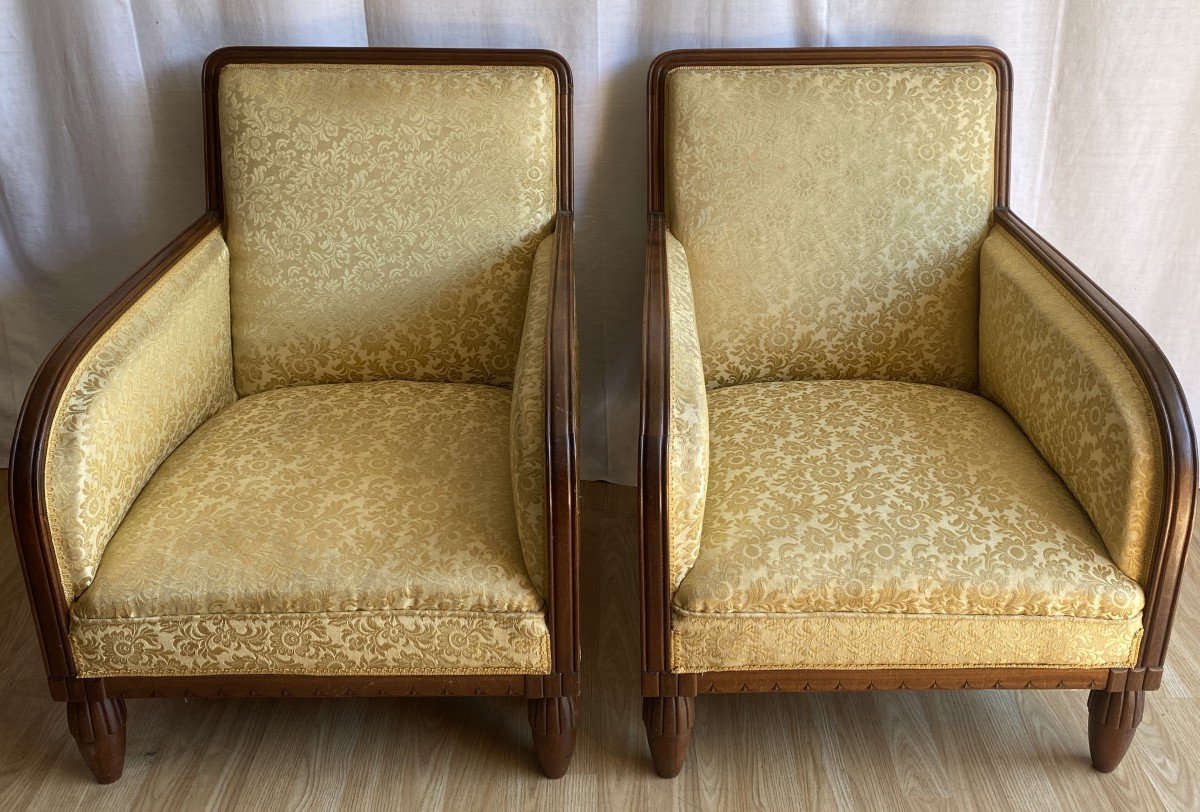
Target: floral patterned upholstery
[374, 501]
[159, 372]
[1076, 394]
[918, 450]
[687, 428]
[831, 502]
[269, 543]
[832, 217]
[382, 219]
[527, 459]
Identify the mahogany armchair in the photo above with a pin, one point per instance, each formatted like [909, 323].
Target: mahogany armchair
[891, 438]
[322, 444]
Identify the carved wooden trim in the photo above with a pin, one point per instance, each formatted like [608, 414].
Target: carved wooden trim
[1113, 718]
[653, 540]
[552, 722]
[98, 727]
[562, 479]
[669, 722]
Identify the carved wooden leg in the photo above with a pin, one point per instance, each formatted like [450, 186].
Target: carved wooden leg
[99, 730]
[669, 722]
[553, 723]
[1113, 717]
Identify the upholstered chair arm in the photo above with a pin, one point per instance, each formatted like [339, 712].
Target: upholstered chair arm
[109, 404]
[1099, 400]
[543, 459]
[674, 431]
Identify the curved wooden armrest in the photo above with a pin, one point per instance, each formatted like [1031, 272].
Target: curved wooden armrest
[1174, 424]
[652, 455]
[562, 508]
[26, 485]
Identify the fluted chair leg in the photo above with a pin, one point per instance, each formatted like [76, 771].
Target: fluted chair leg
[1113, 717]
[553, 723]
[99, 730]
[669, 721]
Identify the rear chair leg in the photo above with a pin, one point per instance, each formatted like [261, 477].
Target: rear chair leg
[1113, 717]
[669, 722]
[553, 723]
[99, 730]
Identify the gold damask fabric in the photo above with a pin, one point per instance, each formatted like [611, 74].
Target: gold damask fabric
[382, 219]
[687, 430]
[851, 499]
[763, 642]
[1077, 396]
[527, 461]
[349, 528]
[161, 369]
[832, 217]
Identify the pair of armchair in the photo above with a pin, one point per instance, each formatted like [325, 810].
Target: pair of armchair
[324, 444]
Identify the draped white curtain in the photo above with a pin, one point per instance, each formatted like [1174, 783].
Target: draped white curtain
[101, 163]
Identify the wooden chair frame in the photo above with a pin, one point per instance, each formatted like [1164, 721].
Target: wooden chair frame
[1117, 694]
[96, 707]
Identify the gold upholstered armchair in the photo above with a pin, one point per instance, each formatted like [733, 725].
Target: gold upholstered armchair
[891, 438]
[323, 443]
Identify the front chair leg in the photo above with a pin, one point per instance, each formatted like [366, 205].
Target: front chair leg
[99, 730]
[669, 722]
[1113, 717]
[553, 723]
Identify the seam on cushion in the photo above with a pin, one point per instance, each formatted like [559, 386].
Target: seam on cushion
[906, 615]
[470, 613]
[380, 67]
[1124, 360]
[900, 666]
[376, 382]
[1134, 647]
[412, 672]
[890, 381]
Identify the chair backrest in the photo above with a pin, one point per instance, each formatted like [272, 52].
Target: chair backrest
[832, 214]
[382, 218]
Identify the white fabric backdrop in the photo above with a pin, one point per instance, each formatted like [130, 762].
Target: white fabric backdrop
[100, 153]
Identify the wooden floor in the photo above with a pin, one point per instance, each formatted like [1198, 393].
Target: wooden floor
[961, 750]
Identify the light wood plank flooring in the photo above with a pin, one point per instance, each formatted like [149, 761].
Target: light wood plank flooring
[961, 750]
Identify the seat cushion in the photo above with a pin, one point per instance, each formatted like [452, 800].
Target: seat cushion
[333, 529]
[886, 524]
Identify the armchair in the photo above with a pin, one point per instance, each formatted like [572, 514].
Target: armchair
[891, 438]
[323, 443]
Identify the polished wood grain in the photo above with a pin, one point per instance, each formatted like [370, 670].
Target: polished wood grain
[896, 750]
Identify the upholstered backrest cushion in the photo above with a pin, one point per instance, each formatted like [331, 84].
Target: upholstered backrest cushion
[382, 219]
[832, 216]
